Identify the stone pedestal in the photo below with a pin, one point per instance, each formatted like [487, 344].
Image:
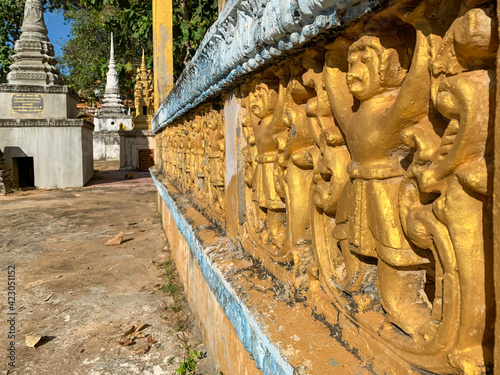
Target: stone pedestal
[37, 102]
[43, 143]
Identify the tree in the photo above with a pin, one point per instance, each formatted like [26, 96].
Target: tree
[11, 14]
[191, 20]
[86, 54]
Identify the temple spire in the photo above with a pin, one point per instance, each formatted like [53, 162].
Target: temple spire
[143, 62]
[34, 62]
[112, 102]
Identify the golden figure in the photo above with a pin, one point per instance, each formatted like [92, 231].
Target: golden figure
[293, 171]
[388, 103]
[453, 171]
[268, 108]
[216, 160]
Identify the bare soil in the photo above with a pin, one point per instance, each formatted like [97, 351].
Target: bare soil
[82, 295]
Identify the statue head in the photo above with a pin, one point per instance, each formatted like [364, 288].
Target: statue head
[373, 68]
[264, 100]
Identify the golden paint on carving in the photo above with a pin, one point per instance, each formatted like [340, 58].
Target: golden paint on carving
[194, 160]
[143, 98]
[367, 173]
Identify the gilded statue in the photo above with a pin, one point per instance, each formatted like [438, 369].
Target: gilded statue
[294, 168]
[372, 104]
[216, 160]
[268, 108]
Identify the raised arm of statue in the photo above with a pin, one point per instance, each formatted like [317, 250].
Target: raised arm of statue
[412, 102]
[334, 80]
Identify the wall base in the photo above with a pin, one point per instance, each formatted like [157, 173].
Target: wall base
[248, 325]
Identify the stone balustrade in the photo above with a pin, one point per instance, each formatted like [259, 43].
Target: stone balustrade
[346, 148]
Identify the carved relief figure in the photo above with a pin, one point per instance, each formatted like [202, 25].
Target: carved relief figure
[452, 172]
[216, 160]
[330, 159]
[294, 166]
[268, 109]
[198, 157]
[372, 104]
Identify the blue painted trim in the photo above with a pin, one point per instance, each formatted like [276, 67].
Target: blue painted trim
[266, 356]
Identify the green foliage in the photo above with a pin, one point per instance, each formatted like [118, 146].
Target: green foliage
[86, 54]
[188, 366]
[191, 20]
[11, 14]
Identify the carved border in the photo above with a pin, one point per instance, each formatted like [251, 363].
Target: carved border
[250, 35]
[27, 123]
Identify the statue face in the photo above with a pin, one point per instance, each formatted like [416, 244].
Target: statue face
[363, 78]
[264, 101]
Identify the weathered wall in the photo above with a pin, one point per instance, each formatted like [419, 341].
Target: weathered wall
[87, 154]
[106, 145]
[61, 151]
[130, 144]
[246, 328]
[348, 149]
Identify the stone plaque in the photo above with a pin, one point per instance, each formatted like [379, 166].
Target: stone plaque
[27, 103]
[146, 158]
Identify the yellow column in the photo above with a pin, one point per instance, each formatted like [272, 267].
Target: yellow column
[496, 217]
[221, 4]
[163, 58]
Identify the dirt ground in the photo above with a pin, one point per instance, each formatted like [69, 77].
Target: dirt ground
[82, 295]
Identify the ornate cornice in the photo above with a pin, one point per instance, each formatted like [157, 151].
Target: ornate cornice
[55, 89]
[250, 35]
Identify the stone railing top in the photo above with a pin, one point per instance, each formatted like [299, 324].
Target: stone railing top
[248, 36]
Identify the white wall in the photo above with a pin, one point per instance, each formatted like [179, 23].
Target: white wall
[60, 154]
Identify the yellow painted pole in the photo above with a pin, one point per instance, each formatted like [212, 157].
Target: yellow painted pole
[163, 58]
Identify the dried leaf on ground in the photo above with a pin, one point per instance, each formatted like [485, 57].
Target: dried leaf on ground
[126, 342]
[143, 349]
[141, 327]
[151, 340]
[130, 330]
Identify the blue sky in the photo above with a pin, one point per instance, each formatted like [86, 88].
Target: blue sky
[59, 31]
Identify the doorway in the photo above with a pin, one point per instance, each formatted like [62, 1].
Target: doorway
[23, 172]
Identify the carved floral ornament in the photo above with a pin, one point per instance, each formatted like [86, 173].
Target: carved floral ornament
[367, 176]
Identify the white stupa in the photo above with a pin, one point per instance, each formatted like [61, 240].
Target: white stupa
[112, 116]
